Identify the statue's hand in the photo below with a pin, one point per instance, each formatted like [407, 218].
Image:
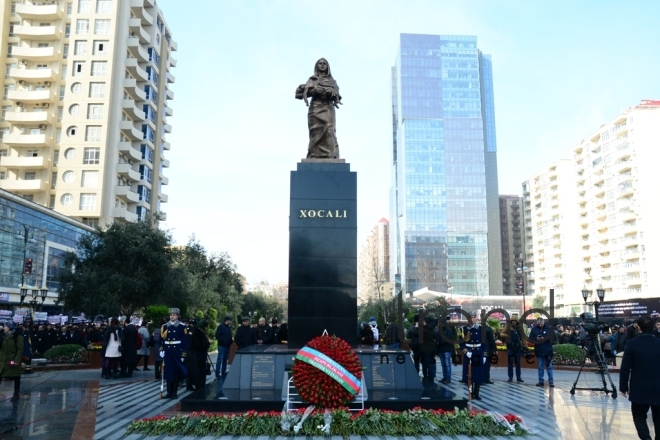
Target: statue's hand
[306, 103]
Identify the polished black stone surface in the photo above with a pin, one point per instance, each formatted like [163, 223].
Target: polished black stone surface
[389, 377]
[322, 252]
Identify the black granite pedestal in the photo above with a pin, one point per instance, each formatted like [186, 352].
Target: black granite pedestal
[257, 380]
[322, 251]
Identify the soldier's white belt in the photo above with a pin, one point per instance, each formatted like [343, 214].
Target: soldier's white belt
[473, 345]
[172, 342]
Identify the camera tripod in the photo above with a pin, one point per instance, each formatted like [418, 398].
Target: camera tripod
[593, 346]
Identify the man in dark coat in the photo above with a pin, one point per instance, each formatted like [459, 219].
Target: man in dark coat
[413, 336]
[129, 351]
[264, 332]
[620, 340]
[543, 350]
[427, 348]
[640, 364]
[392, 336]
[473, 354]
[223, 335]
[50, 337]
[244, 334]
[445, 348]
[489, 348]
[513, 348]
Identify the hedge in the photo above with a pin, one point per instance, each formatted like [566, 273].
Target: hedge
[66, 354]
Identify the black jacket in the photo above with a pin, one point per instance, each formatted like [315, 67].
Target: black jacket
[640, 363]
[223, 335]
[441, 345]
[264, 334]
[392, 334]
[244, 337]
[490, 339]
[129, 353]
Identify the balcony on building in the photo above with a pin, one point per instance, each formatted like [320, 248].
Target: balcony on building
[135, 25]
[31, 96]
[169, 94]
[35, 53]
[136, 49]
[24, 185]
[172, 62]
[137, 6]
[138, 72]
[124, 213]
[125, 193]
[170, 78]
[127, 149]
[131, 87]
[126, 169]
[39, 12]
[165, 180]
[165, 162]
[33, 75]
[30, 118]
[164, 198]
[167, 128]
[131, 110]
[129, 130]
[27, 140]
[166, 146]
[38, 162]
[38, 33]
[169, 111]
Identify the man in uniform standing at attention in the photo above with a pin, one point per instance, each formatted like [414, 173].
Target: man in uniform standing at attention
[175, 343]
[473, 354]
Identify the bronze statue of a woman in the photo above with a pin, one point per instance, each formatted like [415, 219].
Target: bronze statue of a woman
[324, 92]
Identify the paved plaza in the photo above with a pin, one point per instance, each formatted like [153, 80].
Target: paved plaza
[77, 404]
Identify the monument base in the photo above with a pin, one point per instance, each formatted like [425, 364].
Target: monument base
[257, 380]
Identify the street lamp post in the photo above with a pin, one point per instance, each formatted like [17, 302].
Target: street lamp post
[522, 271]
[26, 236]
[600, 292]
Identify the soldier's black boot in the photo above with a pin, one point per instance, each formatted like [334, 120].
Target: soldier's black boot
[175, 388]
[475, 393]
[169, 390]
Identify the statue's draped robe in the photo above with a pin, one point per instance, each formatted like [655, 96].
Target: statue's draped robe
[321, 118]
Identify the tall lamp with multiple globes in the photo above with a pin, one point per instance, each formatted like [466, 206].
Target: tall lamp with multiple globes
[600, 292]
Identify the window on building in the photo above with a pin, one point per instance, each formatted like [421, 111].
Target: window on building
[95, 111]
[8, 70]
[103, 6]
[69, 10]
[84, 6]
[79, 68]
[60, 113]
[30, 175]
[93, 133]
[42, 45]
[93, 222]
[67, 31]
[9, 49]
[101, 47]
[82, 27]
[97, 90]
[65, 51]
[4, 152]
[87, 202]
[29, 197]
[51, 202]
[58, 135]
[3, 175]
[34, 131]
[6, 109]
[63, 72]
[32, 153]
[80, 48]
[90, 179]
[68, 177]
[102, 27]
[91, 156]
[99, 68]
[62, 92]
[12, 11]
[53, 181]
[66, 199]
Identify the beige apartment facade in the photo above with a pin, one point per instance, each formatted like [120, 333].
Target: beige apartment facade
[85, 106]
[513, 244]
[590, 219]
[374, 265]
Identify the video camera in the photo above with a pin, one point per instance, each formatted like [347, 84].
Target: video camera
[591, 326]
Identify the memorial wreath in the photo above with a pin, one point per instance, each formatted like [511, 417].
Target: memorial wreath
[327, 372]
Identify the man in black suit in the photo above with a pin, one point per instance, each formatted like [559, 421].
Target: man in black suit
[641, 358]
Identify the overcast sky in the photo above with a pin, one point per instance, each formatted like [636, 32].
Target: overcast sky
[561, 69]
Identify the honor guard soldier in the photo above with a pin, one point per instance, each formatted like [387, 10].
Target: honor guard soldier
[175, 344]
[473, 354]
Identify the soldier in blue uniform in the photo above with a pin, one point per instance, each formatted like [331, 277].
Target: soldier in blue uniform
[473, 354]
[174, 346]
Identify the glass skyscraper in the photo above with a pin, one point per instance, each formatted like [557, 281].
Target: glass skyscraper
[444, 198]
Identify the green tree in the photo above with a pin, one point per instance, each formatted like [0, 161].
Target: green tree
[262, 306]
[122, 269]
[539, 302]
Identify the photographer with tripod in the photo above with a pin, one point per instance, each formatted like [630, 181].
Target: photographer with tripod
[640, 363]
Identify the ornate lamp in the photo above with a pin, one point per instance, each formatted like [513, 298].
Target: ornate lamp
[44, 294]
[24, 291]
[585, 294]
[601, 294]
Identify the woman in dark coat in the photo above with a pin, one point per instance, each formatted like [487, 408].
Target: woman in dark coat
[129, 354]
[11, 354]
[198, 349]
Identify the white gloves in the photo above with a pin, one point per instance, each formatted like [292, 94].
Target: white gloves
[162, 354]
[469, 355]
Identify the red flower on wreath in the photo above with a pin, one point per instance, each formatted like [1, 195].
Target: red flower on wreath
[318, 388]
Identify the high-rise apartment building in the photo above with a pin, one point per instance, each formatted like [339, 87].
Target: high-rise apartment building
[444, 200]
[374, 264]
[550, 216]
[591, 218]
[513, 244]
[85, 106]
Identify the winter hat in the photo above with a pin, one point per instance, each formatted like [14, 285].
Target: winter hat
[202, 324]
[227, 318]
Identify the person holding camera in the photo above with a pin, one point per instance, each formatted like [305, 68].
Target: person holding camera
[541, 335]
[640, 366]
